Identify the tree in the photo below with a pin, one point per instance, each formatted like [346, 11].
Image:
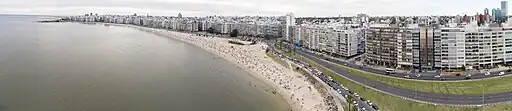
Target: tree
[234, 33]
[209, 30]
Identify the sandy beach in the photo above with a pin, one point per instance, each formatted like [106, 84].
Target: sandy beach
[291, 85]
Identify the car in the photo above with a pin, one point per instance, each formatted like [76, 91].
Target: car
[354, 102]
[375, 107]
[407, 76]
[418, 75]
[501, 73]
[487, 73]
[369, 102]
[364, 109]
[467, 77]
[339, 92]
[362, 99]
[390, 71]
[437, 76]
[350, 92]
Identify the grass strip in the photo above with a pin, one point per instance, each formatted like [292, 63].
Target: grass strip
[491, 86]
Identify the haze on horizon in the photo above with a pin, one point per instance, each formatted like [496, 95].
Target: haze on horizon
[248, 7]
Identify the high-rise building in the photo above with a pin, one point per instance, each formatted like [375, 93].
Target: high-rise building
[486, 11]
[450, 49]
[290, 22]
[381, 45]
[497, 14]
[504, 8]
[423, 47]
[493, 18]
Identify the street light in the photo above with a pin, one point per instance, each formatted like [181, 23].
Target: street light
[483, 97]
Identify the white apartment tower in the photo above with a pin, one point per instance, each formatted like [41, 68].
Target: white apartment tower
[290, 21]
[452, 48]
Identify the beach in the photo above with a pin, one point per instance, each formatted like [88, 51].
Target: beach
[291, 85]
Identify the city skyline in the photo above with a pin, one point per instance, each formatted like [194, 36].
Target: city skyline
[238, 7]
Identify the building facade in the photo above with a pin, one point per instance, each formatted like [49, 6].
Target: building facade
[428, 48]
[381, 46]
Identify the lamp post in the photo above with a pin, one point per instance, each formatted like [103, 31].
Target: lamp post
[483, 98]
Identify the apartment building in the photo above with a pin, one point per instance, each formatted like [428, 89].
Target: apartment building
[404, 47]
[347, 42]
[381, 45]
[485, 47]
[427, 48]
[423, 48]
[450, 49]
[332, 40]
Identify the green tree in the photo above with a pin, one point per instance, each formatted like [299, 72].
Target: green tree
[234, 33]
[351, 105]
[209, 30]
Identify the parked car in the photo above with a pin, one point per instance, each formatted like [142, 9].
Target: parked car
[502, 73]
[362, 99]
[437, 76]
[487, 73]
[369, 102]
[407, 76]
[375, 107]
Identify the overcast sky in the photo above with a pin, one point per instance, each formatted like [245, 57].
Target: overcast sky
[247, 7]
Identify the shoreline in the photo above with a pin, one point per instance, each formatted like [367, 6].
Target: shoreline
[253, 60]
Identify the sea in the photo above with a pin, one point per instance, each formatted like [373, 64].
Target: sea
[92, 67]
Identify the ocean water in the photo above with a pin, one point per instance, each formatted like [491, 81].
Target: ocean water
[80, 67]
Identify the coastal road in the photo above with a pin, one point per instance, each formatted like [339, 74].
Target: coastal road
[414, 95]
[475, 76]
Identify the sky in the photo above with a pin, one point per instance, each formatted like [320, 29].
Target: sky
[248, 7]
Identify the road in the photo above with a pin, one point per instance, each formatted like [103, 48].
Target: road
[401, 75]
[410, 94]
